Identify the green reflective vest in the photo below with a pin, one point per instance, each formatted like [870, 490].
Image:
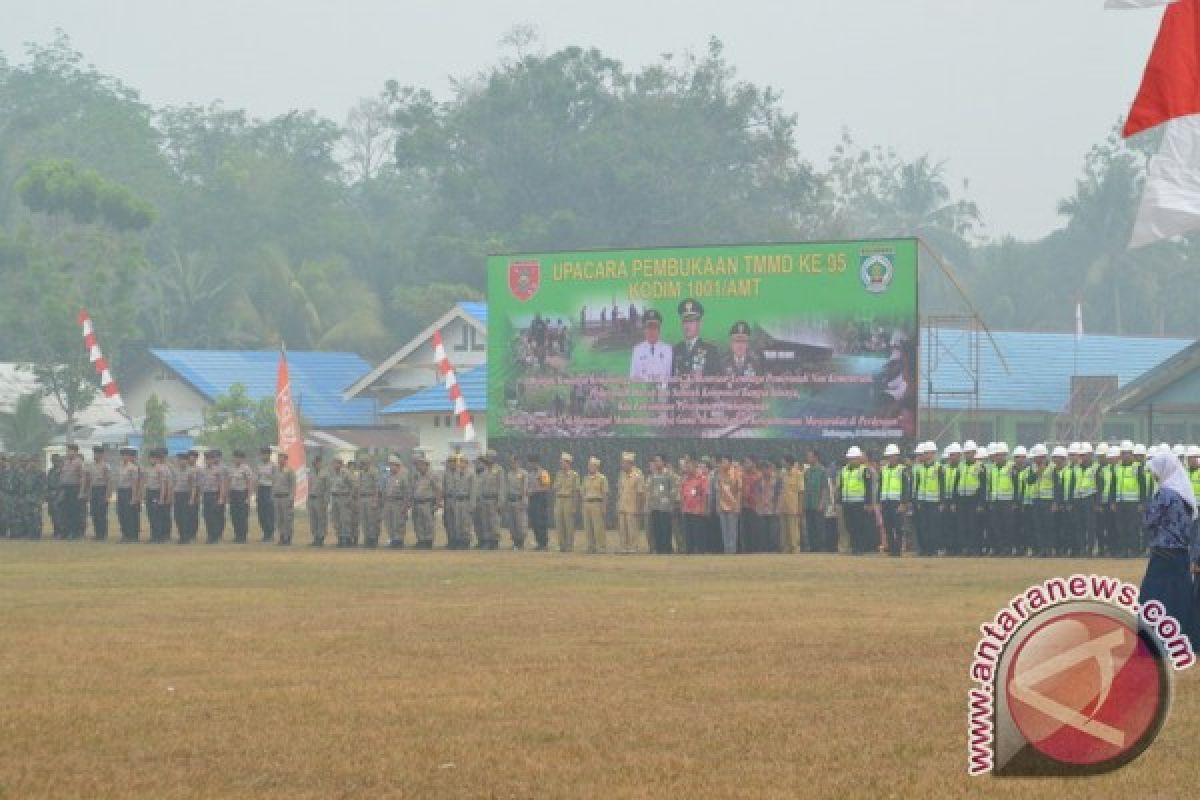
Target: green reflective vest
[928, 483]
[1045, 485]
[854, 484]
[891, 483]
[1085, 481]
[1001, 485]
[1129, 484]
[968, 479]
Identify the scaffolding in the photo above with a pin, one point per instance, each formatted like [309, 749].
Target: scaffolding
[953, 359]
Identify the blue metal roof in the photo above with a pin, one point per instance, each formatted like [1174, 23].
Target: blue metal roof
[477, 310]
[1041, 366]
[435, 399]
[317, 380]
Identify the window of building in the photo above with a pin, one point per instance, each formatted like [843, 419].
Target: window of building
[980, 431]
[1116, 431]
[449, 421]
[437, 421]
[1169, 432]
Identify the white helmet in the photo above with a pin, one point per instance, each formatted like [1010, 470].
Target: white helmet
[891, 450]
[1179, 450]
[1020, 450]
[1001, 449]
[1102, 449]
[953, 449]
[1127, 447]
[1059, 452]
[1072, 449]
[969, 445]
[1085, 448]
[1038, 450]
[1193, 451]
[1139, 449]
[854, 452]
[981, 452]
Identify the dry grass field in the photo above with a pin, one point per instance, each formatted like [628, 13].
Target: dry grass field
[172, 672]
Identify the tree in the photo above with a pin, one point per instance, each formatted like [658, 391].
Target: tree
[26, 429]
[154, 428]
[422, 305]
[236, 422]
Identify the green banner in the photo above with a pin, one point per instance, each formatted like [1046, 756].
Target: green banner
[810, 341]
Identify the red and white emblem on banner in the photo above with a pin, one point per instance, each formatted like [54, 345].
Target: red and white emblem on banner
[524, 279]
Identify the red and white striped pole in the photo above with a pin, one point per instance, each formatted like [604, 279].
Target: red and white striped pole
[461, 413]
[107, 382]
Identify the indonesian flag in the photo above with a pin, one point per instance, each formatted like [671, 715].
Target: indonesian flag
[290, 440]
[107, 382]
[1170, 93]
[461, 413]
[1171, 85]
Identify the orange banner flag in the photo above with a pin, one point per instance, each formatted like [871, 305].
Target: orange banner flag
[290, 439]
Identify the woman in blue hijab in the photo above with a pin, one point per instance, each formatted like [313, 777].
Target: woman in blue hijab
[1170, 528]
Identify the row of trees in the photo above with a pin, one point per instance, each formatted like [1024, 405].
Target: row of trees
[202, 226]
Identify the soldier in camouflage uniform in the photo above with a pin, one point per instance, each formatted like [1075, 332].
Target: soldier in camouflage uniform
[396, 496]
[320, 484]
[460, 498]
[53, 493]
[367, 500]
[5, 497]
[426, 499]
[32, 495]
[493, 490]
[341, 491]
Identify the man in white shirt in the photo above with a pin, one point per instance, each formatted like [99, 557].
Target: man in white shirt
[652, 357]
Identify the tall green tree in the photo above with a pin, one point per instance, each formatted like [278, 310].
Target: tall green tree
[26, 429]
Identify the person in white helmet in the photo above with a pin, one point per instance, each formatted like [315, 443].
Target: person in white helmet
[1045, 486]
[895, 495]
[1023, 517]
[929, 491]
[951, 543]
[1085, 488]
[1126, 498]
[856, 495]
[970, 494]
[1004, 481]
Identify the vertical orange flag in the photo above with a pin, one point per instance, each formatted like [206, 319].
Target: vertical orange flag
[290, 440]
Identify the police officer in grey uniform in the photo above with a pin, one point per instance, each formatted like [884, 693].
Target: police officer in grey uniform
[396, 496]
[460, 494]
[320, 486]
[426, 499]
[516, 502]
[97, 488]
[264, 475]
[493, 491]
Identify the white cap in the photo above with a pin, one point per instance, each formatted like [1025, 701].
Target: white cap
[931, 447]
[1038, 450]
[1085, 448]
[854, 452]
[1072, 449]
[1127, 446]
[1139, 449]
[1179, 450]
[1060, 452]
[1000, 449]
[1102, 449]
[953, 449]
[969, 445]
[1020, 450]
[1193, 451]
[891, 450]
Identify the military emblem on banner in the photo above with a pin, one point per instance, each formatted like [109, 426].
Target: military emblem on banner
[876, 269]
[524, 279]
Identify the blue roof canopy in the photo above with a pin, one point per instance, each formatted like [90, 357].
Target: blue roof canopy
[1041, 366]
[317, 380]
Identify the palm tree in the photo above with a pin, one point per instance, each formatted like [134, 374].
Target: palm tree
[26, 429]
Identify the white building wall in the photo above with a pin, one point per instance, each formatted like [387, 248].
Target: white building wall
[442, 440]
[180, 398]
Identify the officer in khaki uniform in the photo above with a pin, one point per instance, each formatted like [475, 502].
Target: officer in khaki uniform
[595, 506]
[791, 507]
[97, 488]
[516, 502]
[283, 496]
[460, 497]
[566, 502]
[493, 492]
[341, 492]
[396, 496]
[319, 486]
[631, 503]
[369, 508]
[426, 498]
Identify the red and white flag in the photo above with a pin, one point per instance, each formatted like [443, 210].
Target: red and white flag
[107, 382]
[1170, 93]
[1171, 84]
[290, 439]
[461, 413]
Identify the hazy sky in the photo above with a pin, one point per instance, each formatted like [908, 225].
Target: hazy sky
[1011, 93]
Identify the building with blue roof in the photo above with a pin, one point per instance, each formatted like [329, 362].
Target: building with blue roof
[1027, 387]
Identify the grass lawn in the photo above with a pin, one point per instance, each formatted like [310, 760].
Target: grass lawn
[172, 672]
